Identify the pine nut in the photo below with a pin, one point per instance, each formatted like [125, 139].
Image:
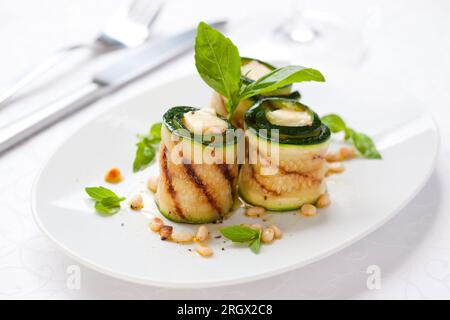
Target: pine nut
[323, 201]
[136, 202]
[202, 233]
[257, 226]
[276, 231]
[334, 167]
[308, 210]
[113, 175]
[182, 237]
[152, 184]
[347, 153]
[156, 224]
[332, 157]
[204, 250]
[165, 232]
[267, 235]
[255, 211]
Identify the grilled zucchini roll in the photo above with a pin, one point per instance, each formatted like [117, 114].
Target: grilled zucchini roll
[198, 167]
[251, 70]
[285, 169]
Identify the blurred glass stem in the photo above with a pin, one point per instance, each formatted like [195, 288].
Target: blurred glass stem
[297, 28]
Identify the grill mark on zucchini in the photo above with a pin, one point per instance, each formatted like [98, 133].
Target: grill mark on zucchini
[265, 189]
[200, 185]
[225, 170]
[284, 171]
[301, 174]
[171, 190]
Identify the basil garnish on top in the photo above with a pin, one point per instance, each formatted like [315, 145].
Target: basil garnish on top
[219, 64]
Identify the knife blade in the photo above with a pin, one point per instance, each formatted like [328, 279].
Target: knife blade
[132, 66]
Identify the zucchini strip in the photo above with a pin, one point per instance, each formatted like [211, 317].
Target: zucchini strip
[191, 190]
[299, 175]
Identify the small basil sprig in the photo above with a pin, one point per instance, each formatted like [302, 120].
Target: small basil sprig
[219, 64]
[243, 234]
[106, 201]
[145, 151]
[362, 142]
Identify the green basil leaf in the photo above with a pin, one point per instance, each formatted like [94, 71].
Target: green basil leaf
[279, 78]
[239, 233]
[334, 122]
[99, 193]
[101, 208]
[218, 63]
[113, 202]
[155, 132]
[255, 245]
[145, 153]
[106, 201]
[364, 144]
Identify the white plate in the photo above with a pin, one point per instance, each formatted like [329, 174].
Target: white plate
[364, 197]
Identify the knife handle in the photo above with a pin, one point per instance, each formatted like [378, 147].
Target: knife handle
[14, 133]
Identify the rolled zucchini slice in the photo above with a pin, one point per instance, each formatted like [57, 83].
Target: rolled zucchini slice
[251, 70]
[198, 167]
[285, 168]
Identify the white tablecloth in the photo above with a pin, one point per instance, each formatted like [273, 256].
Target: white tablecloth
[408, 41]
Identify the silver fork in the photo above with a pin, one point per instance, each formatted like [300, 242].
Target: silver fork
[129, 27]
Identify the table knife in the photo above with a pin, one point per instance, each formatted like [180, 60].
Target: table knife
[137, 63]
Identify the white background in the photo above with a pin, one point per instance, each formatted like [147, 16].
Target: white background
[407, 41]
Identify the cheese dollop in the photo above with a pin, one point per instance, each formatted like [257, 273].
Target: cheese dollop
[204, 121]
[289, 118]
[254, 70]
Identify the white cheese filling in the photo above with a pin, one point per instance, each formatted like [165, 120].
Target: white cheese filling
[254, 70]
[289, 118]
[204, 122]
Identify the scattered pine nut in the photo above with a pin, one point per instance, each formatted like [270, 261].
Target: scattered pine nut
[182, 237]
[332, 157]
[113, 175]
[334, 167]
[204, 250]
[152, 184]
[308, 210]
[255, 211]
[156, 224]
[257, 226]
[136, 202]
[276, 231]
[347, 153]
[323, 201]
[202, 233]
[268, 235]
[344, 153]
[165, 232]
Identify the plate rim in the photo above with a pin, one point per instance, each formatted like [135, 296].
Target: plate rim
[226, 282]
